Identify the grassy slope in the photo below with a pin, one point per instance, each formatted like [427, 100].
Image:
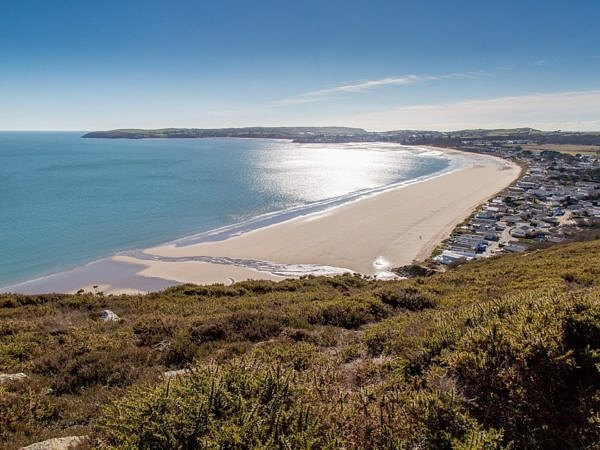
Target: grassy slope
[498, 352]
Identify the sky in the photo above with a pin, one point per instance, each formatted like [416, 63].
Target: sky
[379, 65]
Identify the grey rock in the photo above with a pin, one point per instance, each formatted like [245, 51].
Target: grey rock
[108, 316]
[64, 443]
[162, 345]
[175, 373]
[6, 378]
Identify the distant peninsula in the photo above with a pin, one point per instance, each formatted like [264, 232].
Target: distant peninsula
[248, 132]
[347, 134]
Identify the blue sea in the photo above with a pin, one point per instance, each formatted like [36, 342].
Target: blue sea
[66, 201]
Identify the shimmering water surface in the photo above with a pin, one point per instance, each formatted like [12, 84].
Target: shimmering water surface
[65, 201]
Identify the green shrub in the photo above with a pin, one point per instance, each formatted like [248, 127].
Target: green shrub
[23, 411]
[238, 405]
[531, 366]
[152, 330]
[70, 375]
[407, 298]
[349, 313]
[180, 352]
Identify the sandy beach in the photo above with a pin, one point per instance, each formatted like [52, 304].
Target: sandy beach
[368, 236]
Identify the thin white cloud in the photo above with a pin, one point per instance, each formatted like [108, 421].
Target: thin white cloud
[364, 86]
[367, 85]
[574, 110]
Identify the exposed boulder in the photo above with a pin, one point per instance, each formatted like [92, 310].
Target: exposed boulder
[175, 373]
[415, 270]
[162, 345]
[64, 443]
[108, 316]
[6, 378]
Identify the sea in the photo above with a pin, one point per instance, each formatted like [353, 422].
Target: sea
[66, 200]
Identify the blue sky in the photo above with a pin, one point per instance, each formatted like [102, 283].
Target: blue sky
[85, 65]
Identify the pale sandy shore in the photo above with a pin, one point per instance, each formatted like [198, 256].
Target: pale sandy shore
[389, 229]
[369, 235]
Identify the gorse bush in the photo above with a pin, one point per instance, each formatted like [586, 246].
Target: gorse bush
[349, 313]
[526, 373]
[408, 298]
[237, 405]
[502, 353]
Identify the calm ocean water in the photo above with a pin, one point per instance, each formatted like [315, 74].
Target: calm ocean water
[65, 201]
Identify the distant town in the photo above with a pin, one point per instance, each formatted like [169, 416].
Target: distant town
[556, 199]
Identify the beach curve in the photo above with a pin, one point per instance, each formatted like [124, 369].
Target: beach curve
[397, 226]
[365, 232]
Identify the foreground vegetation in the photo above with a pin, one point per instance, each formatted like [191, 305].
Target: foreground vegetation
[502, 353]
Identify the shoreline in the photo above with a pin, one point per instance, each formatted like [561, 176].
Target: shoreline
[368, 233]
[390, 229]
[311, 209]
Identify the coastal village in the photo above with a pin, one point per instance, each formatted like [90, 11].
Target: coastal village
[556, 199]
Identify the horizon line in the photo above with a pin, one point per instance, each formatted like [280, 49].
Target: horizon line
[297, 126]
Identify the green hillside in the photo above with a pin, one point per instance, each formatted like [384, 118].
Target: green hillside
[501, 353]
[346, 134]
[247, 132]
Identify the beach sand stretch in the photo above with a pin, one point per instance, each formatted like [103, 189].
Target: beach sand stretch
[368, 236]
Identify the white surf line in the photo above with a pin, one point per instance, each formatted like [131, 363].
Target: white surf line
[459, 162]
[383, 269]
[283, 270]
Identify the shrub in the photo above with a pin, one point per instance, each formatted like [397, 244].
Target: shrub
[23, 411]
[238, 405]
[152, 330]
[180, 352]
[70, 375]
[531, 366]
[407, 298]
[250, 325]
[349, 313]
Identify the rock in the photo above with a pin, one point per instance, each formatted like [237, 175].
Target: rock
[175, 373]
[162, 345]
[414, 270]
[64, 443]
[10, 377]
[108, 316]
